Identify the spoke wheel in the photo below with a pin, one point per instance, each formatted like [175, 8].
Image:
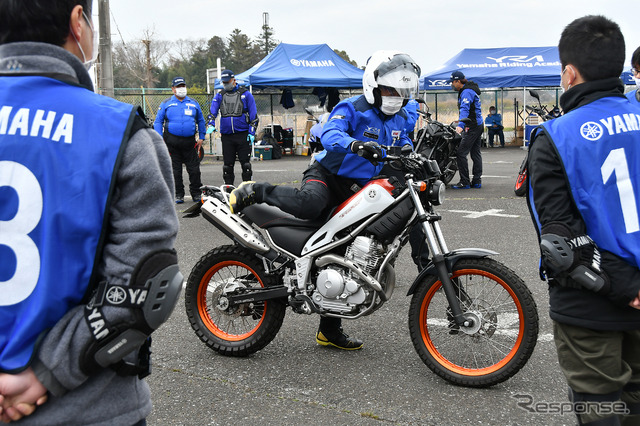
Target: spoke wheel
[503, 330]
[239, 330]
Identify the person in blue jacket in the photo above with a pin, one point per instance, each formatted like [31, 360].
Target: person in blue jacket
[411, 109]
[238, 123]
[634, 95]
[86, 209]
[470, 107]
[494, 126]
[584, 174]
[178, 120]
[352, 139]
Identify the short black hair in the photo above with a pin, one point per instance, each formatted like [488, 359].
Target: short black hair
[635, 59]
[595, 46]
[45, 21]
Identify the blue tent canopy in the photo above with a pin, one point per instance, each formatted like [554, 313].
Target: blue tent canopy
[295, 65]
[500, 67]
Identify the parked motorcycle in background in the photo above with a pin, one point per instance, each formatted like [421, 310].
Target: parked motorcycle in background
[315, 133]
[439, 142]
[472, 320]
[520, 187]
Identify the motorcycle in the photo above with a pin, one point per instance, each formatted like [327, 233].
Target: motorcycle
[520, 187]
[472, 320]
[439, 142]
[315, 144]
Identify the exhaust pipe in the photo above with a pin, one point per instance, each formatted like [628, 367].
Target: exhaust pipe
[218, 213]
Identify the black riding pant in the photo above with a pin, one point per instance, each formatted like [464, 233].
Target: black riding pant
[470, 143]
[319, 193]
[236, 144]
[182, 151]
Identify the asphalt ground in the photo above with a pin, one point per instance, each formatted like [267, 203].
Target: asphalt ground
[294, 381]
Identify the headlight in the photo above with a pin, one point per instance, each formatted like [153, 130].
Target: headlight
[436, 193]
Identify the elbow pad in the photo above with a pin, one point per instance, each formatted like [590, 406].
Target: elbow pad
[565, 255]
[152, 294]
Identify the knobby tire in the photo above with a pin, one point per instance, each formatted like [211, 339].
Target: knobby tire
[506, 334]
[238, 331]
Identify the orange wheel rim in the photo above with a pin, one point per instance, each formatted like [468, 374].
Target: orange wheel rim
[202, 303]
[442, 360]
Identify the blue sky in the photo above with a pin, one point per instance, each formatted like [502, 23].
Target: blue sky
[431, 31]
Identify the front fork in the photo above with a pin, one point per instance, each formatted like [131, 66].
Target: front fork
[442, 260]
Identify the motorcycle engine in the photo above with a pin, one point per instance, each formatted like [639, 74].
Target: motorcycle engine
[337, 290]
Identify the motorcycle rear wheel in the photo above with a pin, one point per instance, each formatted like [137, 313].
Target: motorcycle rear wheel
[232, 331]
[522, 181]
[505, 317]
[520, 188]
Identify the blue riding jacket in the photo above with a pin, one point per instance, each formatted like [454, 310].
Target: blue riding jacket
[181, 117]
[355, 119]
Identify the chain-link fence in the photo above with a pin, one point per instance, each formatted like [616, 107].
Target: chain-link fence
[270, 110]
[442, 104]
[508, 102]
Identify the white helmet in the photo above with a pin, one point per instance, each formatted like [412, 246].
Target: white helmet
[393, 69]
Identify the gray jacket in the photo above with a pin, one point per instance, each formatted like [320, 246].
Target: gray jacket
[142, 218]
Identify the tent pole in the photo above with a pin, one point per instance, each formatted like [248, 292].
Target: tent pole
[524, 114]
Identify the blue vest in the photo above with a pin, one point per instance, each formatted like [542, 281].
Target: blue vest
[599, 145]
[59, 149]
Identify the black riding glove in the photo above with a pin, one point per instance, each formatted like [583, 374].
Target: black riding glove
[368, 150]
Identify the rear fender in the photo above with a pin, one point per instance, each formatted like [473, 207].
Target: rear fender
[450, 259]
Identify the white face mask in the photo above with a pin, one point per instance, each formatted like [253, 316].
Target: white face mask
[181, 92]
[391, 104]
[637, 83]
[228, 86]
[94, 54]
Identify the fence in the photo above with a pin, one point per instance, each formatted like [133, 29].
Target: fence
[270, 111]
[508, 102]
[442, 104]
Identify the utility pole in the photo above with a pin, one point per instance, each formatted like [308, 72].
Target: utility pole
[106, 60]
[147, 64]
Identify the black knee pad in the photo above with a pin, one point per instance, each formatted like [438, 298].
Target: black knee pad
[246, 171]
[227, 174]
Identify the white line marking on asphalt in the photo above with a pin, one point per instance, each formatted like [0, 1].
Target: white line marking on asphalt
[475, 215]
[547, 337]
[507, 325]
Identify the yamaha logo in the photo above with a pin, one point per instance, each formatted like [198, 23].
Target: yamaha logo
[518, 58]
[116, 295]
[312, 64]
[591, 131]
[439, 83]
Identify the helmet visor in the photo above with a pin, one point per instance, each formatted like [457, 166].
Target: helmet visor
[399, 73]
[397, 61]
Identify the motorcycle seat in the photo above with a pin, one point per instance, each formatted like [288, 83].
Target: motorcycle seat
[266, 216]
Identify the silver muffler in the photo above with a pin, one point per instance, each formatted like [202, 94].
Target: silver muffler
[229, 223]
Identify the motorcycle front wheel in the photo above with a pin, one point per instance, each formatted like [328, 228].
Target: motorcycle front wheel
[239, 330]
[504, 330]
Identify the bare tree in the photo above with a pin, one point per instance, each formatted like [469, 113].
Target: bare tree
[137, 63]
